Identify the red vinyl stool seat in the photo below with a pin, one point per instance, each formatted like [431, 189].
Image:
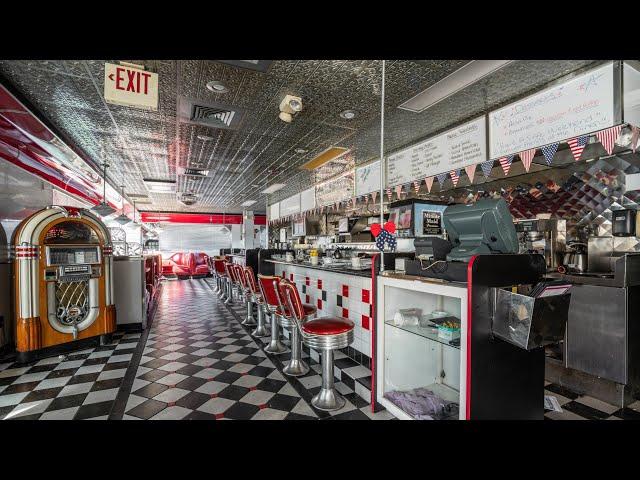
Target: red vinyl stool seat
[308, 311]
[256, 297]
[328, 326]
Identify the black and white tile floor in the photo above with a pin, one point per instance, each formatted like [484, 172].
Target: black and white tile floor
[583, 407]
[198, 362]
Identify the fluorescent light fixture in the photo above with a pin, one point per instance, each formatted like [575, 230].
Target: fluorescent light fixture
[273, 188]
[248, 203]
[466, 75]
[103, 209]
[329, 154]
[162, 186]
[122, 219]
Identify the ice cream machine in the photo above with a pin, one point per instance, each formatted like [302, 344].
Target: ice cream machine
[62, 280]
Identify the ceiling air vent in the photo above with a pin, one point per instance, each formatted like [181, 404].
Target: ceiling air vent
[213, 115]
[188, 199]
[195, 173]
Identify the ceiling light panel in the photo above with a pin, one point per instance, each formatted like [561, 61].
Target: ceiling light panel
[328, 155]
[273, 188]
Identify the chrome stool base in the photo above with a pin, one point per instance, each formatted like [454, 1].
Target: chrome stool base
[296, 368]
[249, 321]
[276, 347]
[328, 400]
[262, 330]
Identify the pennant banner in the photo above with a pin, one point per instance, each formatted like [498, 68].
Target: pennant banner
[398, 191]
[505, 163]
[527, 157]
[374, 195]
[429, 183]
[486, 167]
[635, 133]
[609, 137]
[388, 191]
[455, 176]
[549, 151]
[577, 146]
[441, 178]
[471, 172]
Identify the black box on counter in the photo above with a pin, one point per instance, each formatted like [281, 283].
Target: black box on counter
[442, 269]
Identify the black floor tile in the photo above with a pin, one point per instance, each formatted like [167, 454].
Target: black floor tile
[271, 385]
[42, 368]
[227, 377]
[232, 392]
[189, 369]
[241, 411]
[191, 383]
[147, 409]
[20, 387]
[297, 416]
[115, 366]
[93, 410]
[260, 371]
[562, 391]
[193, 400]
[627, 414]
[151, 390]
[351, 415]
[68, 401]
[106, 384]
[84, 378]
[196, 415]
[365, 381]
[346, 362]
[44, 394]
[283, 402]
[585, 411]
[153, 375]
[356, 400]
[157, 363]
[67, 372]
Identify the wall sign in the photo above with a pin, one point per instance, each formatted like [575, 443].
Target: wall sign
[368, 178]
[335, 190]
[431, 223]
[631, 96]
[308, 199]
[455, 148]
[274, 211]
[290, 205]
[582, 105]
[124, 85]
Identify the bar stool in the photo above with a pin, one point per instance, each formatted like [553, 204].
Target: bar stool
[256, 297]
[325, 334]
[221, 278]
[249, 321]
[269, 287]
[296, 367]
[218, 270]
[230, 270]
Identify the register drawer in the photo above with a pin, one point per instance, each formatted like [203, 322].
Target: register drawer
[597, 332]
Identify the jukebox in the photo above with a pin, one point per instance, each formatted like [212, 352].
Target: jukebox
[62, 280]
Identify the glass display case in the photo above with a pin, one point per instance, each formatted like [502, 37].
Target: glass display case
[421, 359]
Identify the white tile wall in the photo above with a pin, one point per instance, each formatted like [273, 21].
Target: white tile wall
[332, 284]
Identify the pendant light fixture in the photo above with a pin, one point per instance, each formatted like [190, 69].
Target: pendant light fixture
[122, 219]
[103, 208]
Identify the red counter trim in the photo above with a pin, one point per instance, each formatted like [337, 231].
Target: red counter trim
[212, 218]
[469, 320]
[373, 325]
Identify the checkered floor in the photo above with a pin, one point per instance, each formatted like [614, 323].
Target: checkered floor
[81, 385]
[583, 407]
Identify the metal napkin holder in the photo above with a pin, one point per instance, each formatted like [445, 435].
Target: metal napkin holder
[530, 322]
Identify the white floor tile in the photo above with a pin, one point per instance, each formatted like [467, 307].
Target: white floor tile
[101, 396]
[171, 379]
[216, 405]
[270, 414]
[64, 414]
[171, 413]
[171, 395]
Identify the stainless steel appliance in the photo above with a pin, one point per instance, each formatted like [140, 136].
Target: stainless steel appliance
[546, 237]
[130, 292]
[575, 258]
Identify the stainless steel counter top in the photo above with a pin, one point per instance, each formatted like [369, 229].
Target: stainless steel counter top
[365, 272]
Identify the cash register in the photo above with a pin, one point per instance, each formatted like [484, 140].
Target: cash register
[485, 227]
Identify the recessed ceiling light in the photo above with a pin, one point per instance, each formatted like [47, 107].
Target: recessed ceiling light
[301, 150]
[205, 138]
[348, 114]
[255, 185]
[217, 87]
[248, 203]
[273, 188]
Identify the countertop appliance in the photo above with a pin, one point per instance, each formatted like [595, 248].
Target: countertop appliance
[575, 258]
[623, 223]
[480, 228]
[417, 218]
[544, 236]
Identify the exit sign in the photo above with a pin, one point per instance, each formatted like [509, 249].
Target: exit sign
[133, 87]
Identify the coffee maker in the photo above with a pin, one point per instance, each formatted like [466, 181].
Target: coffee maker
[546, 237]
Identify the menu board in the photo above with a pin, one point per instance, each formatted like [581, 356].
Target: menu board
[455, 148]
[290, 205]
[274, 211]
[631, 96]
[335, 190]
[368, 178]
[308, 199]
[582, 105]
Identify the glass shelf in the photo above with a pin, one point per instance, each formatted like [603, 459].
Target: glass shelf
[429, 332]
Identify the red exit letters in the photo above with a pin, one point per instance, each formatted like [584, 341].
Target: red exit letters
[136, 81]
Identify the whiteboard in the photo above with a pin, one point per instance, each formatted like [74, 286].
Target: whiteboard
[274, 211]
[368, 178]
[290, 205]
[308, 199]
[582, 105]
[631, 96]
[456, 148]
[335, 190]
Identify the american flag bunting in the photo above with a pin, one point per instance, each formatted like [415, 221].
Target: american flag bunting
[388, 191]
[398, 191]
[441, 178]
[429, 183]
[471, 171]
[416, 186]
[527, 157]
[486, 167]
[505, 163]
[577, 146]
[455, 176]
[549, 151]
[608, 137]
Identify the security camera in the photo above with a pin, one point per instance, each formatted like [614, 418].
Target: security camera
[289, 106]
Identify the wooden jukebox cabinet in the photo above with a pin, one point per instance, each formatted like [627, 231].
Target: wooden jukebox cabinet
[62, 280]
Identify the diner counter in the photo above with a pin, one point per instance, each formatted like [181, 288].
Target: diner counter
[347, 270]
